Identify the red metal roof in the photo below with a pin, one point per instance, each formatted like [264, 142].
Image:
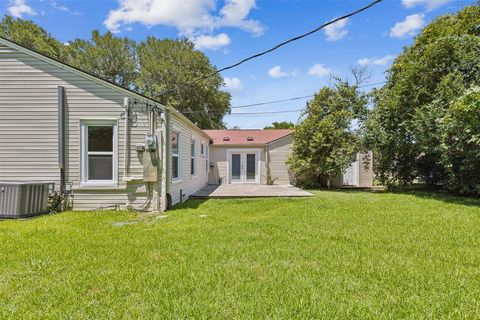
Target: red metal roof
[246, 137]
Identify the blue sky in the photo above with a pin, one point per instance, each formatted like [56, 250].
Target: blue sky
[230, 30]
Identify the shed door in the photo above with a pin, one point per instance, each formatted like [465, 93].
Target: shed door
[350, 177]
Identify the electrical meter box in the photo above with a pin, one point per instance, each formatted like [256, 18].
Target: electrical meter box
[151, 142]
[150, 159]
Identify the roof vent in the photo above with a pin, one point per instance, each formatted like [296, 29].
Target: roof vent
[249, 138]
[226, 138]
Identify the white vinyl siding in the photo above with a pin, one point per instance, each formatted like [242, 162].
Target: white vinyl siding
[278, 153]
[29, 141]
[186, 186]
[28, 126]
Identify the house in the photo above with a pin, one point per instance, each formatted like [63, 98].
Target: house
[249, 156]
[104, 145]
[259, 157]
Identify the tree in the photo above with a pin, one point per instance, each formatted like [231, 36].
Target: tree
[324, 142]
[280, 125]
[168, 69]
[460, 144]
[404, 129]
[107, 56]
[32, 36]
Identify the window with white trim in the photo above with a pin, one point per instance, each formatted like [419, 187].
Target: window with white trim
[192, 157]
[202, 148]
[206, 159]
[99, 152]
[175, 155]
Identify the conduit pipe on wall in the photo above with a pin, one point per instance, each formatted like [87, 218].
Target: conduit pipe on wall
[126, 107]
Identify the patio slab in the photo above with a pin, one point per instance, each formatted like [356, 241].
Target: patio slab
[249, 191]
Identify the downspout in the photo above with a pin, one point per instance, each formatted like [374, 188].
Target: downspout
[168, 158]
[267, 164]
[126, 107]
[61, 136]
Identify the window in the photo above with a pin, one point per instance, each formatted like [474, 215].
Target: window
[206, 159]
[192, 158]
[175, 155]
[99, 152]
[202, 149]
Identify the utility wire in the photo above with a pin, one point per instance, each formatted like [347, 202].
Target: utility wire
[267, 102]
[288, 41]
[295, 98]
[270, 102]
[244, 113]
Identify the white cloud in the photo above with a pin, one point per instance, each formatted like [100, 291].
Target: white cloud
[409, 26]
[337, 30]
[211, 42]
[188, 16]
[428, 4]
[18, 8]
[63, 8]
[233, 85]
[376, 61]
[319, 70]
[234, 14]
[277, 72]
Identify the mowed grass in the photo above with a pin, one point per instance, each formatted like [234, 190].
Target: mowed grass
[337, 255]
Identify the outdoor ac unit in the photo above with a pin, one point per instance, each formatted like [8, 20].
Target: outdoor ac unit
[24, 199]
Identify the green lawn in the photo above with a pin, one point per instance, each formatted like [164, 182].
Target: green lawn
[337, 255]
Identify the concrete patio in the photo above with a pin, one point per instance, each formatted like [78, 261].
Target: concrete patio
[249, 191]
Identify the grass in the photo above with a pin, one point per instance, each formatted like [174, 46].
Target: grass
[337, 255]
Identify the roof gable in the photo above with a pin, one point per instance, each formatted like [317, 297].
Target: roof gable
[246, 137]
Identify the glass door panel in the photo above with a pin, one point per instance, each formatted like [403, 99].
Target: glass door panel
[251, 173]
[236, 167]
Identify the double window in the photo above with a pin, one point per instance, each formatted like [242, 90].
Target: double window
[99, 152]
[192, 158]
[175, 155]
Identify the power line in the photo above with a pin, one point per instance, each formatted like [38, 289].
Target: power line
[288, 41]
[244, 113]
[267, 102]
[266, 112]
[294, 98]
[270, 102]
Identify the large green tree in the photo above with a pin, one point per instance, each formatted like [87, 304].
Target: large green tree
[405, 128]
[280, 125]
[168, 70]
[109, 57]
[32, 36]
[325, 141]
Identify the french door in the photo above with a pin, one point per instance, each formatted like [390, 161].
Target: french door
[244, 166]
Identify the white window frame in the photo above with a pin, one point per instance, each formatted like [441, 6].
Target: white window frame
[179, 171]
[193, 165]
[207, 157]
[84, 124]
[202, 149]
